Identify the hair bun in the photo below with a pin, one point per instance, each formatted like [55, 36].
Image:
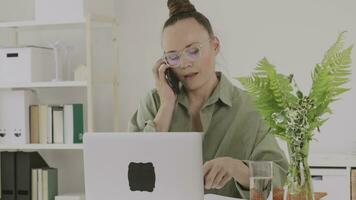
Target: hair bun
[180, 6]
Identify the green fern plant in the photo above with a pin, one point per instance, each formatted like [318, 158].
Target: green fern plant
[292, 115]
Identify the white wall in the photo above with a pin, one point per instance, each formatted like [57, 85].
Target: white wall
[293, 35]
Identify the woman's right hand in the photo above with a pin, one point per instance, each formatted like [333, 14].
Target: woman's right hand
[165, 92]
[167, 97]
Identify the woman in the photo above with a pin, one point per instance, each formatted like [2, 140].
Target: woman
[206, 101]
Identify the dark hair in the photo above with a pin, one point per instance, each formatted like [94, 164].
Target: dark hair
[183, 9]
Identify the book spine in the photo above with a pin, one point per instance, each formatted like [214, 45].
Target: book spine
[78, 123]
[44, 184]
[58, 124]
[8, 175]
[34, 187]
[353, 184]
[34, 124]
[40, 185]
[43, 115]
[50, 126]
[68, 124]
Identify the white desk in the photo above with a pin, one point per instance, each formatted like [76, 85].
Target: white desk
[217, 197]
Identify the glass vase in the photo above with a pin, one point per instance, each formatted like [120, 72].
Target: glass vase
[299, 183]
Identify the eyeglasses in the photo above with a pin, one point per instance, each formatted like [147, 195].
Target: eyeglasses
[192, 53]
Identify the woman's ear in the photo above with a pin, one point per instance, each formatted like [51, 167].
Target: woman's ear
[216, 45]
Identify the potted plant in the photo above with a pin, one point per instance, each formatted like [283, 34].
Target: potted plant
[294, 116]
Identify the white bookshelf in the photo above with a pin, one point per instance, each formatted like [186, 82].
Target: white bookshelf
[35, 85]
[93, 76]
[34, 24]
[68, 158]
[25, 147]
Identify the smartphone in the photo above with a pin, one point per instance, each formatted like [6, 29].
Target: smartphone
[172, 80]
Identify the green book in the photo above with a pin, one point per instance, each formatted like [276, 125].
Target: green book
[49, 183]
[74, 123]
[78, 123]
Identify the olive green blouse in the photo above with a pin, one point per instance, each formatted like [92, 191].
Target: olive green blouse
[232, 127]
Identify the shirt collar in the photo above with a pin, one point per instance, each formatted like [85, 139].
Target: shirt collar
[223, 92]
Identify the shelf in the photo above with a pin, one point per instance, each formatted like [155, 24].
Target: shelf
[34, 85]
[332, 160]
[42, 147]
[32, 24]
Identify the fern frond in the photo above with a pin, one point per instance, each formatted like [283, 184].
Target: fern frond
[258, 89]
[279, 84]
[335, 48]
[286, 113]
[271, 91]
[329, 76]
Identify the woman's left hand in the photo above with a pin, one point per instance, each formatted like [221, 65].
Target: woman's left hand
[219, 171]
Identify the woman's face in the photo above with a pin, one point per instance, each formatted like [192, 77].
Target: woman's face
[193, 73]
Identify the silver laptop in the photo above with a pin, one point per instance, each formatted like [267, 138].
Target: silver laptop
[143, 166]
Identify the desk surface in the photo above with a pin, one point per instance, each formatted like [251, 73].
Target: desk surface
[217, 197]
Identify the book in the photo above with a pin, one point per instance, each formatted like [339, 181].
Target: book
[34, 124]
[58, 124]
[49, 183]
[74, 123]
[43, 123]
[39, 184]
[50, 126]
[25, 162]
[68, 124]
[8, 175]
[34, 186]
[353, 184]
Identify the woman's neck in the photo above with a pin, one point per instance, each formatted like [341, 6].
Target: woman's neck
[200, 95]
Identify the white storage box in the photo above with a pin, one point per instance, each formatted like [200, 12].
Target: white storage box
[15, 116]
[26, 64]
[335, 182]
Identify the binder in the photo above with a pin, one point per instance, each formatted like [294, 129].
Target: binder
[34, 186]
[34, 124]
[49, 183]
[43, 125]
[39, 184]
[58, 124]
[78, 123]
[50, 126]
[25, 162]
[73, 123]
[353, 184]
[8, 175]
